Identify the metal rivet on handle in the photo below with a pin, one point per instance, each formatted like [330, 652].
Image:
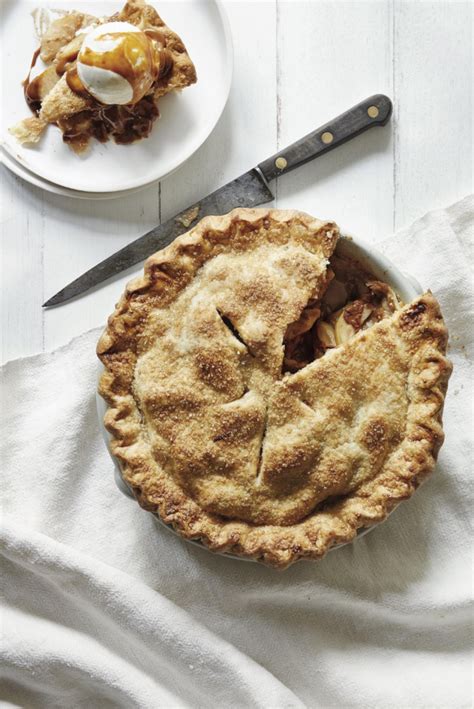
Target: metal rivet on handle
[327, 137]
[373, 111]
[281, 163]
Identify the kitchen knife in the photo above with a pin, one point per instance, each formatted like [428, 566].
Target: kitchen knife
[248, 190]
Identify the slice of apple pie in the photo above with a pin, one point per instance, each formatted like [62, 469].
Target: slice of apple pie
[103, 76]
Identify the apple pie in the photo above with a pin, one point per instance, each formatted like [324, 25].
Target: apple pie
[266, 395]
[103, 76]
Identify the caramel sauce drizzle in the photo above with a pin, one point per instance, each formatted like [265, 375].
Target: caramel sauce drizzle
[127, 60]
[31, 89]
[125, 124]
[122, 60]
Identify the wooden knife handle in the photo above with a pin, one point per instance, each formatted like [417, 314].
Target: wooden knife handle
[374, 111]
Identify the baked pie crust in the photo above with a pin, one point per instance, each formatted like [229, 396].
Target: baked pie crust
[211, 433]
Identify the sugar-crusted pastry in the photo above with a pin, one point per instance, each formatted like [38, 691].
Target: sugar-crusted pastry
[266, 395]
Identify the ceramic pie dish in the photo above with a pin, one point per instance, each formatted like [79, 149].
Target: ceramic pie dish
[273, 390]
[375, 262]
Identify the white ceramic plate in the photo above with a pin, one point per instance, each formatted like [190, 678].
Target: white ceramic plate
[382, 268]
[18, 169]
[186, 119]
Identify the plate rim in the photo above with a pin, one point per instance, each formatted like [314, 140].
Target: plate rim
[25, 172]
[33, 179]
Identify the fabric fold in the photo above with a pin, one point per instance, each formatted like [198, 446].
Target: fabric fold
[107, 634]
[103, 607]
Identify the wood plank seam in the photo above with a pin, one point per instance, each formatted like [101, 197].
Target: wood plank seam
[396, 113]
[277, 88]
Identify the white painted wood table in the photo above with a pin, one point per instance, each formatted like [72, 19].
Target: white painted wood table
[297, 64]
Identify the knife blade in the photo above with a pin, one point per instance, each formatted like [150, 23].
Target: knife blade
[249, 190]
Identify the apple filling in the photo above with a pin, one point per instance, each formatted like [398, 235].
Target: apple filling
[354, 300]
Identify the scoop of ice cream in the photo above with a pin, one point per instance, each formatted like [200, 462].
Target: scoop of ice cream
[117, 63]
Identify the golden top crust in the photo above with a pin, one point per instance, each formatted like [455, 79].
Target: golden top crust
[211, 435]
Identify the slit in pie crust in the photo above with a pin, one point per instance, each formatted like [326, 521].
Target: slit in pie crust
[218, 437]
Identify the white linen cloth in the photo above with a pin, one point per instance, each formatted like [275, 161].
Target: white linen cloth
[104, 608]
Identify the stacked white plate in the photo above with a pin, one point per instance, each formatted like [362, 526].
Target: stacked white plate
[109, 170]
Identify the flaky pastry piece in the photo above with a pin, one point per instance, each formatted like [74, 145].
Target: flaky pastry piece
[60, 105]
[29, 130]
[217, 441]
